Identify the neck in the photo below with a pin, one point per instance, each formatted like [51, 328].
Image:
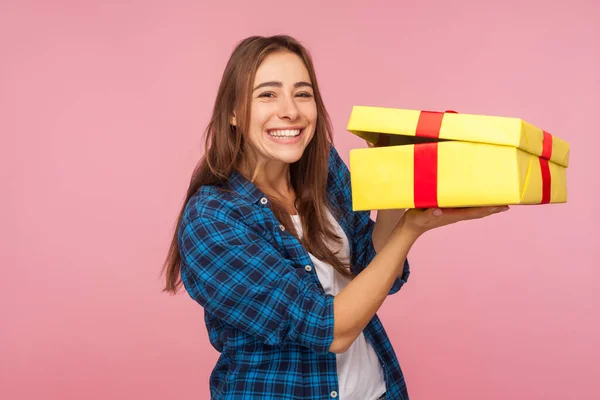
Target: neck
[272, 177]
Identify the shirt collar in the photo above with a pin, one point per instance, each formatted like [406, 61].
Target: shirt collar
[242, 186]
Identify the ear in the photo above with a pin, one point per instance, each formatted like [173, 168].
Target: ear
[233, 120]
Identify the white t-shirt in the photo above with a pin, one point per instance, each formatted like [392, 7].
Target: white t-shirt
[359, 372]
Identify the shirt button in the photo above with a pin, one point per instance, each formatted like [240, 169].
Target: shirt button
[282, 227]
[333, 394]
[264, 201]
[308, 268]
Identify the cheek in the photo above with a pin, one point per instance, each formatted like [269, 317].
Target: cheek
[258, 115]
[258, 118]
[310, 112]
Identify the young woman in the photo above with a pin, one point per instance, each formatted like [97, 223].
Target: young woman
[290, 278]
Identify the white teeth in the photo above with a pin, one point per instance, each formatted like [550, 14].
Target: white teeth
[285, 133]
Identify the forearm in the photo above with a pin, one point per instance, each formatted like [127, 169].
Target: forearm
[356, 304]
[385, 223]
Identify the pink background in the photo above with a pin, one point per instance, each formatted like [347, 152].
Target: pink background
[102, 107]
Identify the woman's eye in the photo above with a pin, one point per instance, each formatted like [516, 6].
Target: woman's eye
[270, 95]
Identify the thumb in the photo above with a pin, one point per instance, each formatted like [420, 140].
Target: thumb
[435, 212]
[431, 214]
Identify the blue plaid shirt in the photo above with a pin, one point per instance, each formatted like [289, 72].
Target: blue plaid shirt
[264, 307]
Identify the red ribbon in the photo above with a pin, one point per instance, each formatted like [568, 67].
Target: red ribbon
[546, 177]
[426, 159]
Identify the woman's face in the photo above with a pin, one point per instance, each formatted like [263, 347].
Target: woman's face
[283, 113]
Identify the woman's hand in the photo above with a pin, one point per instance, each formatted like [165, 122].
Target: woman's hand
[419, 221]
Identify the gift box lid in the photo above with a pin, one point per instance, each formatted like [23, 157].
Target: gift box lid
[393, 126]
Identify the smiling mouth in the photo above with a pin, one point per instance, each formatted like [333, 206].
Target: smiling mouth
[284, 133]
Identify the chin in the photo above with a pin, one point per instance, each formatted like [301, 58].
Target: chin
[290, 156]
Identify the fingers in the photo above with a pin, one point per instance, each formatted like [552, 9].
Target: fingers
[430, 217]
[494, 210]
[422, 220]
[472, 212]
[444, 216]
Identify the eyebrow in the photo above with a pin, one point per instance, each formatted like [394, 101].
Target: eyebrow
[280, 84]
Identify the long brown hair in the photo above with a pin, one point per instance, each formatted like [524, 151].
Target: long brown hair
[224, 144]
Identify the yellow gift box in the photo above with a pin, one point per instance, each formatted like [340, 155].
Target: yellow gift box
[427, 159]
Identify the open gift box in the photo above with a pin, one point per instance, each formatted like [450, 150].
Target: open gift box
[427, 159]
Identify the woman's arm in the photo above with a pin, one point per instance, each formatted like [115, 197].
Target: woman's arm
[358, 302]
[385, 223]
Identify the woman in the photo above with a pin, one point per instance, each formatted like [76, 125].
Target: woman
[290, 278]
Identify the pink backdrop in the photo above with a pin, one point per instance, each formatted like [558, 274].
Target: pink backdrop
[102, 108]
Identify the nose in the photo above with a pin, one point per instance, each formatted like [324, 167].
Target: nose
[288, 108]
